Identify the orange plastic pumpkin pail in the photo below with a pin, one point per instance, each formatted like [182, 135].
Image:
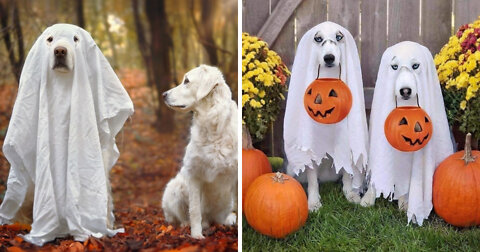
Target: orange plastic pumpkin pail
[408, 128]
[328, 100]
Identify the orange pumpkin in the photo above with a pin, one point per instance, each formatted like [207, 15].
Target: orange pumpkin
[254, 164]
[408, 128]
[327, 100]
[456, 187]
[276, 205]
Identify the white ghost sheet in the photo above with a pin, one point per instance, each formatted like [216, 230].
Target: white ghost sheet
[308, 142]
[61, 139]
[394, 173]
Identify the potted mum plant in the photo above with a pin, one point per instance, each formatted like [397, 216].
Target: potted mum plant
[458, 67]
[263, 84]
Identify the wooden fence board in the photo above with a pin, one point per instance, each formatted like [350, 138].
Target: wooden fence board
[279, 17]
[436, 24]
[374, 39]
[346, 13]
[305, 19]
[403, 21]
[254, 15]
[466, 11]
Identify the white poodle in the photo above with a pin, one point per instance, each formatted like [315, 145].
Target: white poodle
[205, 189]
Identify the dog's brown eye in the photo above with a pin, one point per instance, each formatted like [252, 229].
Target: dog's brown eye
[75, 38]
[50, 39]
[186, 81]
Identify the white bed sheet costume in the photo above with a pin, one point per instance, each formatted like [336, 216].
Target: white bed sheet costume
[406, 176]
[61, 140]
[310, 146]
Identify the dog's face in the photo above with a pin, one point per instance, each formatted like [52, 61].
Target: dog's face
[61, 45]
[327, 42]
[196, 85]
[405, 83]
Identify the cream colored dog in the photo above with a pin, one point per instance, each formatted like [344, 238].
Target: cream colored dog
[205, 189]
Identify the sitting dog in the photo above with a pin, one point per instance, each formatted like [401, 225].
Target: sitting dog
[324, 152]
[205, 189]
[61, 138]
[406, 77]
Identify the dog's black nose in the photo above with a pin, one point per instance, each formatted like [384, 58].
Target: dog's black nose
[60, 51]
[405, 92]
[329, 59]
[165, 94]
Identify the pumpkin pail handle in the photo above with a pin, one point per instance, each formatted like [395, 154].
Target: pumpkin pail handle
[339, 73]
[396, 105]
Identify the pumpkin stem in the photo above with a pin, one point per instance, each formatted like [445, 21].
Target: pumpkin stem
[467, 157]
[279, 178]
[246, 138]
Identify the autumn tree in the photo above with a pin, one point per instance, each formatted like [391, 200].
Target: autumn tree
[155, 50]
[11, 32]
[79, 13]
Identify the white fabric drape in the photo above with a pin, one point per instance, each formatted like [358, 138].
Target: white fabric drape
[61, 141]
[401, 173]
[307, 141]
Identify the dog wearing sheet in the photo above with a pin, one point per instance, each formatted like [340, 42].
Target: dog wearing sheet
[205, 189]
[324, 152]
[406, 77]
[61, 138]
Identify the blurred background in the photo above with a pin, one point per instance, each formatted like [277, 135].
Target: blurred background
[150, 44]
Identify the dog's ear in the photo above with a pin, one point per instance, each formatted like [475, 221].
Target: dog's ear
[205, 89]
[212, 77]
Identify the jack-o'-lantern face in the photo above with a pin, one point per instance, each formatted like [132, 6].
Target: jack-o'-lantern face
[408, 128]
[327, 100]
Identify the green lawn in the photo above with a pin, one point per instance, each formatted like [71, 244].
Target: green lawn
[340, 225]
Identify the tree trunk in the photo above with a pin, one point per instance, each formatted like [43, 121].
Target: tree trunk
[205, 27]
[110, 38]
[16, 62]
[160, 46]
[79, 12]
[142, 43]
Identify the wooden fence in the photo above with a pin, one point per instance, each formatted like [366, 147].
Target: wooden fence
[375, 25]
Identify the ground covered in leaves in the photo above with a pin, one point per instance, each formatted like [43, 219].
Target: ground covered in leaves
[148, 160]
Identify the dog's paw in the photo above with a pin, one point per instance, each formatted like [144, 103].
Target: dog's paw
[197, 235]
[231, 219]
[368, 200]
[352, 197]
[205, 224]
[402, 204]
[314, 205]
[414, 220]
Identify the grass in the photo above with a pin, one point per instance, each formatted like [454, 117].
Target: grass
[342, 226]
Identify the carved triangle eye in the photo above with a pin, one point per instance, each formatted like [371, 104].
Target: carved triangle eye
[403, 121]
[426, 120]
[418, 128]
[309, 91]
[332, 93]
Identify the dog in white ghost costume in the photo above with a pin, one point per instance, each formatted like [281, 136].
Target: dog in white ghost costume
[323, 152]
[406, 77]
[61, 138]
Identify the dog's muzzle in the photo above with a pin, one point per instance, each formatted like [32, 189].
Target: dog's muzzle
[406, 93]
[60, 54]
[329, 60]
